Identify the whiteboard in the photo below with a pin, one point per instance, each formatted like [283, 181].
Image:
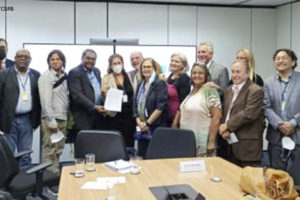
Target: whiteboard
[161, 53]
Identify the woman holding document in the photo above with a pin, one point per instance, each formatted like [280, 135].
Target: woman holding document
[117, 78]
[150, 103]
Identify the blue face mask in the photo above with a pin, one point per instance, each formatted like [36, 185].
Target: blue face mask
[153, 77]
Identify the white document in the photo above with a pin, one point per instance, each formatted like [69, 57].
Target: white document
[113, 179]
[56, 137]
[232, 138]
[113, 100]
[192, 166]
[118, 165]
[94, 185]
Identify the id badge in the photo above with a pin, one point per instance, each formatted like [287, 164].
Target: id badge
[24, 96]
[283, 104]
[125, 98]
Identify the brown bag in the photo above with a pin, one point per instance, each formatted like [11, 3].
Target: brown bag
[268, 183]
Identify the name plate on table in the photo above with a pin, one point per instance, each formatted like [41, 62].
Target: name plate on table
[192, 166]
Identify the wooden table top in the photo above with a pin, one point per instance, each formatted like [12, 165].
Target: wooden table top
[157, 173]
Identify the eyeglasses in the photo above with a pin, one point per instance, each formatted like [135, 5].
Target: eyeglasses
[23, 57]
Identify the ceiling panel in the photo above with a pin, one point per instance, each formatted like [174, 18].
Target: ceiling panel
[267, 2]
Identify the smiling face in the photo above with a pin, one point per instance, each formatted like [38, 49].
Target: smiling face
[198, 76]
[55, 62]
[176, 65]
[89, 60]
[136, 59]
[147, 69]
[283, 62]
[239, 73]
[204, 55]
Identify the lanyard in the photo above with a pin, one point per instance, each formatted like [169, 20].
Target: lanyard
[23, 84]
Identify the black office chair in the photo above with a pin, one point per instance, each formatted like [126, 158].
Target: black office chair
[106, 145]
[171, 143]
[294, 172]
[5, 195]
[22, 182]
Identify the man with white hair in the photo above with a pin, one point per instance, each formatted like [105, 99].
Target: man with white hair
[136, 59]
[219, 73]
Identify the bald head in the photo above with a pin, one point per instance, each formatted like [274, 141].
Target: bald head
[136, 58]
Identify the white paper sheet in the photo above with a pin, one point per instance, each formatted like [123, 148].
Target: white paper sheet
[113, 100]
[94, 185]
[56, 137]
[232, 138]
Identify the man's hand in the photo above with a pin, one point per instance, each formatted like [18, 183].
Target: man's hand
[286, 127]
[53, 129]
[212, 85]
[100, 109]
[226, 135]
[223, 128]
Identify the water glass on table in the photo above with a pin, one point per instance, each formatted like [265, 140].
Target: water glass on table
[79, 167]
[90, 162]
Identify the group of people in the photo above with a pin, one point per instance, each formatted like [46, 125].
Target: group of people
[227, 115]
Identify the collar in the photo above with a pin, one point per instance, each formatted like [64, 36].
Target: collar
[19, 73]
[209, 64]
[278, 77]
[239, 86]
[54, 73]
[87, 70]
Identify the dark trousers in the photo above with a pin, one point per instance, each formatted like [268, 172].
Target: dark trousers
[142, 147]
[280, 159]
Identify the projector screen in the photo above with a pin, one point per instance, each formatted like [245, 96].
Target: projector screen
[73, 53]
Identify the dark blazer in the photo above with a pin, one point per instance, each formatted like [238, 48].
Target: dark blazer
[82, 97]
[9, 63]
[157, 98]
[246, 121]
[9, 95]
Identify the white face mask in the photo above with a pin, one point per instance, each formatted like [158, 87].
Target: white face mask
[117, 69]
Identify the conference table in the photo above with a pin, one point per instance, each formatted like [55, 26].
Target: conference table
[161, 172]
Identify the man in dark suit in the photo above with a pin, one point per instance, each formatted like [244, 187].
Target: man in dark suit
[282, 109]
[20, 104]
[4, 62]
[243, 117]
[84, 82]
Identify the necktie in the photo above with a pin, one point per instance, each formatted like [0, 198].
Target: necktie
[236, 91]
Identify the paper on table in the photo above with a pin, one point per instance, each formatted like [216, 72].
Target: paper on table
[56, 137]
[113, 100]
[94, 185]
[113, 179]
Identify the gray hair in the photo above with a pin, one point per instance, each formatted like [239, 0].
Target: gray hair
[183, 59]
[209, 45]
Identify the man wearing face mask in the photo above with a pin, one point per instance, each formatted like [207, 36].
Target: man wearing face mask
[84, 82]
[4, 62]
[117, 78]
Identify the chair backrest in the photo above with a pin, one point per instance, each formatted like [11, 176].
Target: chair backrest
[294, 170]
[171, 143]
[8, 164]
[106, 145]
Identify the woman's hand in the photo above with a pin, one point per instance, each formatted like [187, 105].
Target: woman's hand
[211, 149]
